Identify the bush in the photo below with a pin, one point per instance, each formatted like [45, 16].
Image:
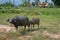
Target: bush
[51, 5]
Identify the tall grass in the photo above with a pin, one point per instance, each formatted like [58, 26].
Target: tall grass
[32, 11]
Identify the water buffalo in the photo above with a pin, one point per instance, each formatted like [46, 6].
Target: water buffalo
[19, 21]
[34, 21]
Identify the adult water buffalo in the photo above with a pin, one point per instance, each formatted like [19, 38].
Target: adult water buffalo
[19, 21]
[34, 21]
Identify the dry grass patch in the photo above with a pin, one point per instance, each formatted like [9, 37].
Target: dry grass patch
[46, 34]
[7, 28]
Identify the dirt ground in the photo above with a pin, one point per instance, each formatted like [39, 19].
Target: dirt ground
[7, 28]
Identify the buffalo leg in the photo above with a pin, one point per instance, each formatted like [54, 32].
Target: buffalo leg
[24, 27]
[38, 26]
[16, 27]
[33, 25]
[28, 27]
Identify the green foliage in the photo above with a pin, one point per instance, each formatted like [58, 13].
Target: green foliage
[21, 5]
[33, 3]
[5, 10]
[6, 5]
[26, 3]
[57, 2]
[28, 11]
[51, 5]
[36, 2]
[31, 11]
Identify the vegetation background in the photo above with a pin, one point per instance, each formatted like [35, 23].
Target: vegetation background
[49, 25]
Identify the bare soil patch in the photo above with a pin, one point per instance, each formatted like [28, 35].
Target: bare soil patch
[6, 28]
[26, 37]
[51, 35]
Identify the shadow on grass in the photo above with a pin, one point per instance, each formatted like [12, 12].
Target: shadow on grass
[24, 32]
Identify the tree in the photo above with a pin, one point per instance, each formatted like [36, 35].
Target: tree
[46, 1]
[26, 3]
[57, 2]
[53, 0]
[36, 2]
[33, 3]
[29, 1]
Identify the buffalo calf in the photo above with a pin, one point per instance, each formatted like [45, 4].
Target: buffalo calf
[34, 21]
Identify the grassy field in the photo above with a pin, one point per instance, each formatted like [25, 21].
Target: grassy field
[50, 23]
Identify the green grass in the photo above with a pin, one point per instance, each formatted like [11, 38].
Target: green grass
[49, 17]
